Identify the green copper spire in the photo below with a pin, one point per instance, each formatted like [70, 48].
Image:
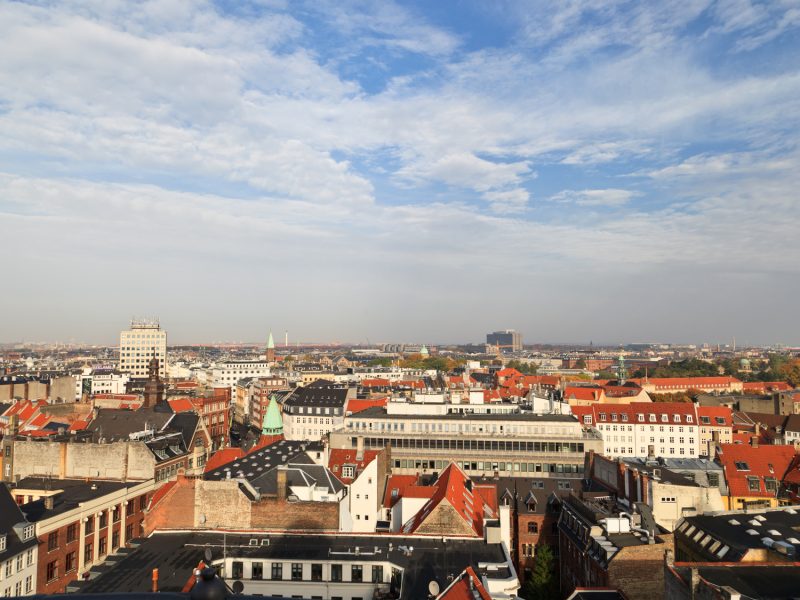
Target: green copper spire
[273, 422]
[424, 350]
[270, 342]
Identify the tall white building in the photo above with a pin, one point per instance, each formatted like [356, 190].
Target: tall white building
[139, 344]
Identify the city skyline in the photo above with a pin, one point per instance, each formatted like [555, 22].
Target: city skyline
[402, 171]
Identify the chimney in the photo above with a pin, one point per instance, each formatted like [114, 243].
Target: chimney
[282, 484]
[651, 452]
[694, 583]
[155, 580]
[49, 502]
[754, 441]
[13, 425]
[360, 448]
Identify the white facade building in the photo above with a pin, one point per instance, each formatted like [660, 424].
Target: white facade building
[638, 429]
[100, 381]
[139, 344]
[228, 373]
[18, 549]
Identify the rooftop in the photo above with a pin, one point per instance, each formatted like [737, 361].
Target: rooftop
[72, 493]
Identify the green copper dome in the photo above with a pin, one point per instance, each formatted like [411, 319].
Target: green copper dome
[273, 422]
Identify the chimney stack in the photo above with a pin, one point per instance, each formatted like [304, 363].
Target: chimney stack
[754, 441]
[49, 502]
[360, 448]
[282, 483]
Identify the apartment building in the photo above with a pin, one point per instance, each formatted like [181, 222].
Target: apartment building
[315, 410]
[17, 549]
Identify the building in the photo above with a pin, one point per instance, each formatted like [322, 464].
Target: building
[757, 536]
[669, 494]
[515, 444]
[79, 523]
[753, 581]
[91, 382]
[665, 429]
[716, 427]
[318, 565]
[260, 392]
[313, 411]
[603, 546]
[364, 473]
[675, 385]
[754, 473]
[507, 340]
[137, 345]
[18, 556]
[228, 373]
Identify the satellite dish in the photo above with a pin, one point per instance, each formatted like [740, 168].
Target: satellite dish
[433, 588]
[238, 587]
[207, 555]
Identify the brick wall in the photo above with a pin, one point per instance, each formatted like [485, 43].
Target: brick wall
[639, 570]
[444, 520]
[271, 513]
[175, 510]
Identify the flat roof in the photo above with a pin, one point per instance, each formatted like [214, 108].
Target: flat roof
[379, 412]
[177, 554]
[74, 493]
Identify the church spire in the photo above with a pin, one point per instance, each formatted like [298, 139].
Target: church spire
[270, 354]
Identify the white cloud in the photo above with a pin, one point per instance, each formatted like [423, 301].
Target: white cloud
[605, 197]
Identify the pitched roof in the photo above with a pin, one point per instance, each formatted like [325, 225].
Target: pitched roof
[744, 465]
[223, 457]
[454, 487]
[181, 405]
[340, 457]
[357, 405]
[404, 486]
[467, 586]
[713, 414]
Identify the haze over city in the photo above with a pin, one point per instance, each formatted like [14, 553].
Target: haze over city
[401, 171]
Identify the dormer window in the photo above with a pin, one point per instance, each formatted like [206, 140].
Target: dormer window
[28, 532]
[640, 418]
[689, 419]
[602, 416]
[652, 418]
[3, 542]
[665, 418]
[348, 471]
[614, 417]
[624, 417]
[677, 418]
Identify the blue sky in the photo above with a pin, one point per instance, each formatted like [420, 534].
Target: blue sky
[415, 171]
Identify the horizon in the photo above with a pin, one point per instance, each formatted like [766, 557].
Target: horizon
[412, 170]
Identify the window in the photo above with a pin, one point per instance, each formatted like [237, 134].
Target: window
[90, 525]
[297, 571]
[2, 542]
[101, 546]
[28, 584]
[753, 484]
[742, 466]
[72, 532]
[316, 572]
[587, 419]
[70, 564]
[356, 573]
[257, 571]
[129, 531]
[705, 420]
[9, 568]
[713, 479]
[277, 571]
[336, 572]
[88, 553]
[52, 541]
[103, 519]
[28, 532]
[237, 569]
[29, 557]
[377, 573]
[52, 570]
[771, 484]
[533, 527]
[142, 502]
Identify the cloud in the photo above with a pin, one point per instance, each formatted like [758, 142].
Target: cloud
[606, 197]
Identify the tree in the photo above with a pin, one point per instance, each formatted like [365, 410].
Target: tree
[524, 368]
[542, 584]
[790, 372]
[380, 362]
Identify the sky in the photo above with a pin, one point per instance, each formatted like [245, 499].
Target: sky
[411, 172]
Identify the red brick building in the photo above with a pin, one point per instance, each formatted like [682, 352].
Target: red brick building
[79, 523]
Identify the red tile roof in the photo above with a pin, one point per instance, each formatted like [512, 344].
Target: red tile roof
[668, 383]
[454, 487]
[712, 412]
[161, 493]
[765, 387]
[79, 425]
[507, 372]
[347, 456]
[400, 486]
[357, 405]
[467, 586]
[792, 475]
[180, 405]
[679, 413]
[592, 394]
[761, 462]
[376, 382]
[223, 457]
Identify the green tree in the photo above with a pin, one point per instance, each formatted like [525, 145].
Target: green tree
[380, 362]
[790, 372]
[524, 368]
[542, 584]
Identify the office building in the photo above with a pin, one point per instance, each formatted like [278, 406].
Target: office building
[137, 345]
[507, 340]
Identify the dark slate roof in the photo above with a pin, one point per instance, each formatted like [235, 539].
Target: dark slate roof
[731, 530]
[4, 406]
[260, 468]
[11, 515]
[317, 396]
[186, 424]
[759, 582]
[177, 554]
[538, 488]
[75, 492]
[117, 424]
